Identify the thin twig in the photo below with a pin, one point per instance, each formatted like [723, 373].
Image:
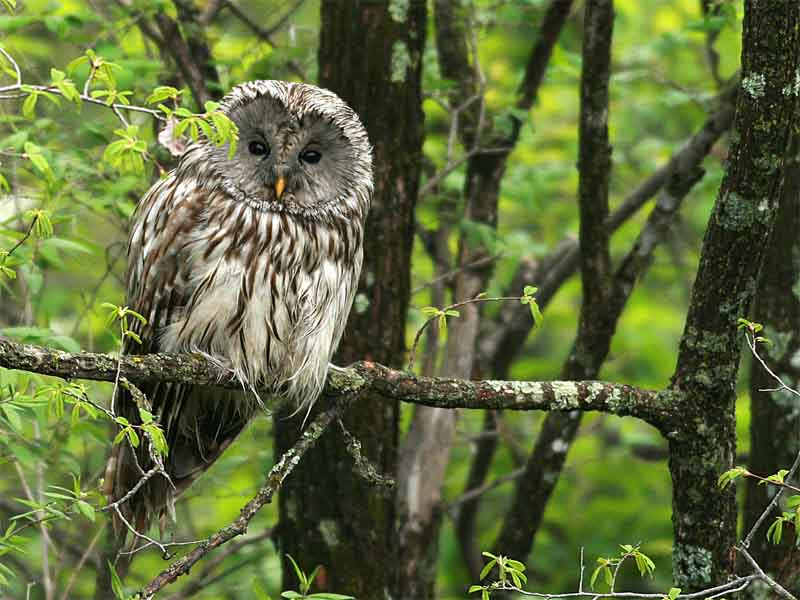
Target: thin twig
[25, 237]
[363, 466]
[479, 491]
[751, 343]
[444, 277]
[75, 571]
[266, 35]
[14, 64]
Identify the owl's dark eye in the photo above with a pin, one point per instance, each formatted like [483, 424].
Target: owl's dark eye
[258, 148]
[311, 157]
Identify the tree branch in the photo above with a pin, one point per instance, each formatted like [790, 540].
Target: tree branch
[361, 377]
[274, 479]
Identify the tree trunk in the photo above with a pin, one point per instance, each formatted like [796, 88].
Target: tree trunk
[370, 54]
[775, 418]
[703, 437]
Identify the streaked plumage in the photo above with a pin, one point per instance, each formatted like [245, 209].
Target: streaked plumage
[219, 263]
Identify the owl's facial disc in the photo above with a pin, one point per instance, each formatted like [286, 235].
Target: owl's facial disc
[298, 162]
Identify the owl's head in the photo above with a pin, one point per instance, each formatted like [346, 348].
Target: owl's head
[301, 150]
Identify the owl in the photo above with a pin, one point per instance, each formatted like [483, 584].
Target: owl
[252, 259]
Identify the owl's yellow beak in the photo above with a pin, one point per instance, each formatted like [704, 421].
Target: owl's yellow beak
[280, 185]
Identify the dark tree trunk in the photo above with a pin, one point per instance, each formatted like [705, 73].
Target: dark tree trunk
[370, 56]
[775, 416]
[703, 437]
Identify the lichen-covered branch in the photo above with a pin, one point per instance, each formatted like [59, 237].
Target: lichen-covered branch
[361, 377]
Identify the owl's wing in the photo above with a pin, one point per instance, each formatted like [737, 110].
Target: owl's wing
[158, 284]
[158, 272]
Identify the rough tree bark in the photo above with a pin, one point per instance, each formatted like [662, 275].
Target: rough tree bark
[703, 441]
[775, 416]
[370, 54]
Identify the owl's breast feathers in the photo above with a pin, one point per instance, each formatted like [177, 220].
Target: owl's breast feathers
[268, 292]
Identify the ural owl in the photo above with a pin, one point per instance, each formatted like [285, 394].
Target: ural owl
[253, 259]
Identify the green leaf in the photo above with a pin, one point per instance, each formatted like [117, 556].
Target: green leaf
[57, 496]
[644, 564]
[116, 582]
[162, 93]
[595, 575]
[731, 475]
[775, 531]
[674, 593]
[34, 154]
[29, 106]
[516, 578]
[11, 413]
[474, 588]
[75, 63]
[329, 596]
[487, 569]
[290, 594]
[133, 437]
[515, 564]
[86, 509]
[430, 311]
[297, 570]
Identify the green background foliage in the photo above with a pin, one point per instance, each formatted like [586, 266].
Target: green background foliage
[55, 157]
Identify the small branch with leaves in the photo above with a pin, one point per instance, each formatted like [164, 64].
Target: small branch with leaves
[127, 153]
[440, 315]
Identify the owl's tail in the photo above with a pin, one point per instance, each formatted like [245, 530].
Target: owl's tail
[198, 423]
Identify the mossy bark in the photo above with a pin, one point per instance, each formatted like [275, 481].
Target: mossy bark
[703, 436]
[370, 54]
[775, 416]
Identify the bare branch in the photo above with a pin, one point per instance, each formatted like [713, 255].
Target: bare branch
[267, 34]
[549, 32]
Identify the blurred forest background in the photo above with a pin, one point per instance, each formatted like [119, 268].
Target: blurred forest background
[615, 487]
